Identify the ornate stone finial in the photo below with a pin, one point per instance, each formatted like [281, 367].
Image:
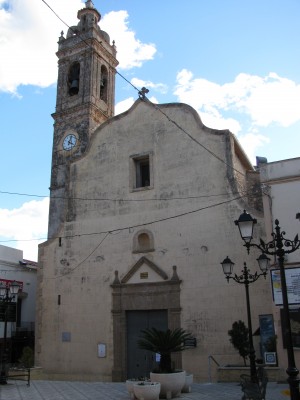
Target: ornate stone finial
[143, 92]
[89, 4]
[61, 38]
[116, 280]
[175, 276]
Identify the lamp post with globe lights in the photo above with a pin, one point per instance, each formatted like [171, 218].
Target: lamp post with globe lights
[246, 278]
[279, 246]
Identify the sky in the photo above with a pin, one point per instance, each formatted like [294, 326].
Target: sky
[236, 62]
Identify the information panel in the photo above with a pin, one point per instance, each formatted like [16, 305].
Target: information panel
[292, 276]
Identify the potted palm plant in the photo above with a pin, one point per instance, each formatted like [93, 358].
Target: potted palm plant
[165, 343]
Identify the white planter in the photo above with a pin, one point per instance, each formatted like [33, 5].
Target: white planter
[171, 384]
[187, 388]
[129, 387]
[146, 390]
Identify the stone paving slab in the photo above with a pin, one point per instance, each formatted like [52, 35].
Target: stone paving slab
[60, 390]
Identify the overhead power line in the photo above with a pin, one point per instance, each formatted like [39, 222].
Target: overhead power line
[121, 199]
[119, 229]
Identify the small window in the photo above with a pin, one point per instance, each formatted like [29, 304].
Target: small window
[143, 241]
[142, 170]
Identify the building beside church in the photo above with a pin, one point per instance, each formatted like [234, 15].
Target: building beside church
[142, 212]
[20, 324]
[281, 193]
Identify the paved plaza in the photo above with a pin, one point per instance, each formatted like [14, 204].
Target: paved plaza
[54, 390]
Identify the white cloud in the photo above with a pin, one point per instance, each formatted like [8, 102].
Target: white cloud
[159, 87]
[124, 105]
[257, 102]
[25, 224]
[272, 99]
[215, 120]
[131, 51]
[153, 100]
[251, 142]
[29, 32]
[265, 100]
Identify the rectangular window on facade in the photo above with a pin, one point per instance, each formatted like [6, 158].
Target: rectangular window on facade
[141, 171]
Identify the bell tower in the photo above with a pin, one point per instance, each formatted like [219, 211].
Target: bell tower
[85, 99]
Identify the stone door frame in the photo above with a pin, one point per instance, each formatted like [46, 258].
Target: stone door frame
[135, 297]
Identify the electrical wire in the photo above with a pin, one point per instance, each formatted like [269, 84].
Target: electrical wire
[130, 226]
[82, 261]
[120, 199]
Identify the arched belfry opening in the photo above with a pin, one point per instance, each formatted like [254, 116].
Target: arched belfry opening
[73, 79]
[103, 83]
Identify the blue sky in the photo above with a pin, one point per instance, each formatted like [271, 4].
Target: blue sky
[236, 62]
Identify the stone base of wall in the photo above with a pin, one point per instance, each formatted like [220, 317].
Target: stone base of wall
[224, 374]
[37, 374]
[232, 374]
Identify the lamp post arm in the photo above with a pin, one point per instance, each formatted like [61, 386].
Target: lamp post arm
[246, 277]
[279, 246]
[250, 279]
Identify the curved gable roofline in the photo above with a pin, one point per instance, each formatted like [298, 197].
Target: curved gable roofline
[236, 148]
[162, 107]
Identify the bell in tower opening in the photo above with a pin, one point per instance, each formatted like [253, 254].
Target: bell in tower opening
[73, 79]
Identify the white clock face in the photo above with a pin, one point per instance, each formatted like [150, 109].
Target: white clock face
[69, 142]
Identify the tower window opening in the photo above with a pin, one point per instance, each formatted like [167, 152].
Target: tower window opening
[73, 79]
[84, 23]
[103, 83]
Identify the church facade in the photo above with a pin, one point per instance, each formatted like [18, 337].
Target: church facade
[142, 212]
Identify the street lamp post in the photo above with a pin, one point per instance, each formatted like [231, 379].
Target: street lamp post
[246, 278]
[7, 298]
[278, 246]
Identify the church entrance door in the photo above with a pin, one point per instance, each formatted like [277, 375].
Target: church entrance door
[141, 362]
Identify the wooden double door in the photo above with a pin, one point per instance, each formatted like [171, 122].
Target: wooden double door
[141, 362]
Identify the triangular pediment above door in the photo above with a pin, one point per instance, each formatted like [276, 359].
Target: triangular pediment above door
[144, 271]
